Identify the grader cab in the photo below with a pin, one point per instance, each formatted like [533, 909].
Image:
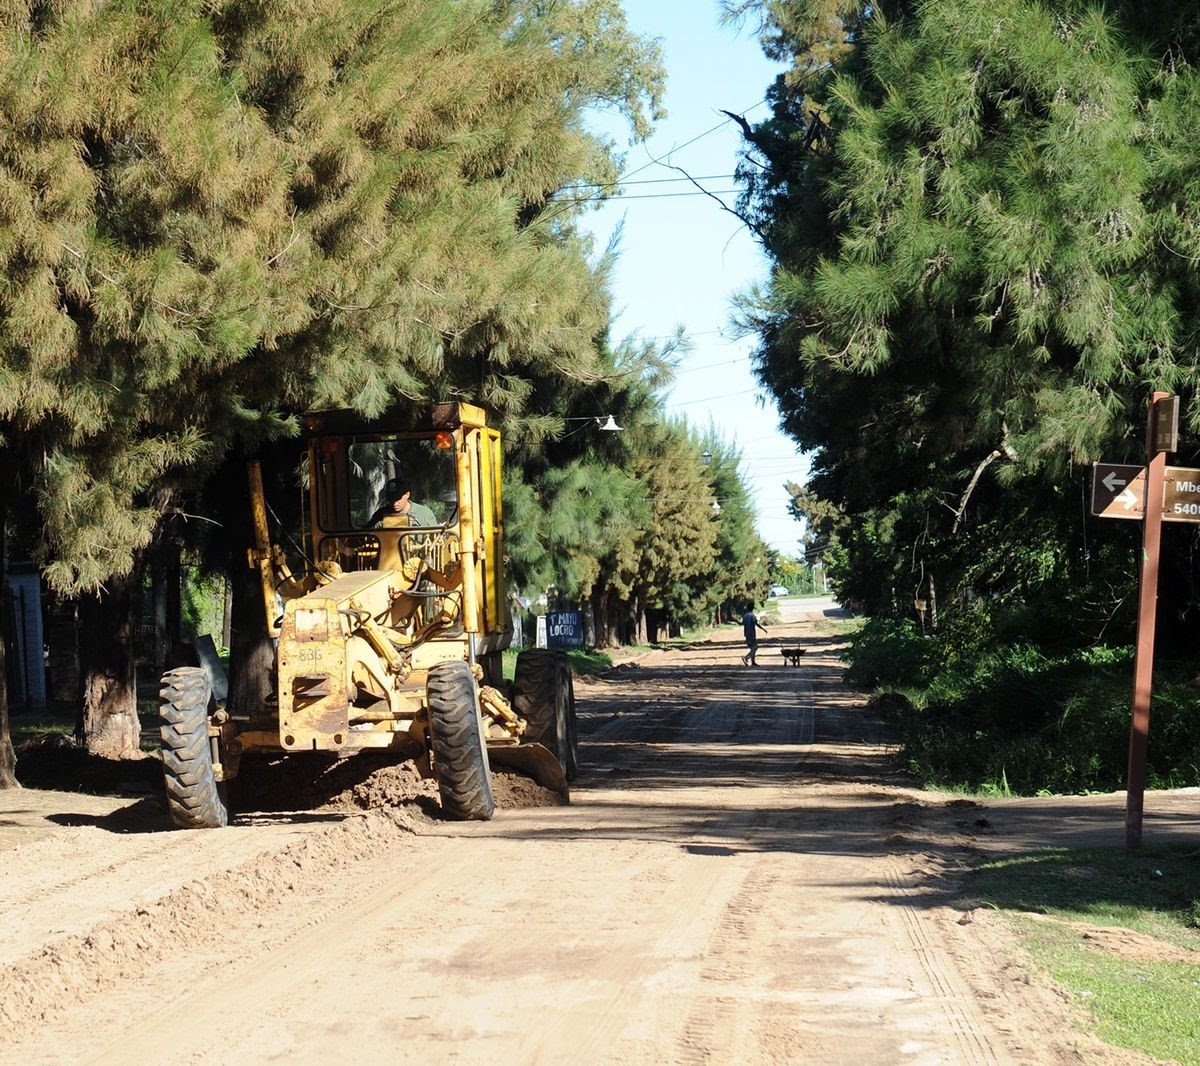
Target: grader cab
[390, 636]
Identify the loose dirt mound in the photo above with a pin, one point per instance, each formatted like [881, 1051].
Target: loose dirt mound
[366, 782]
[516, 792]
[69, 970]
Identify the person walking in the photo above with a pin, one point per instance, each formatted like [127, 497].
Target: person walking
[750, 627]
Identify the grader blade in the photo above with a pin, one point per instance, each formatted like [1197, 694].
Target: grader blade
[533, 760]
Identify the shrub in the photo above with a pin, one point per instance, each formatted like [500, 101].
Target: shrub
[1017, 720]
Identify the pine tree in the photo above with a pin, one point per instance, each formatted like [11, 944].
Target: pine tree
[215, 215]
[983, 267]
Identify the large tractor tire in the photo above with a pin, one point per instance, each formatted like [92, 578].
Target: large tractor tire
[542, 691]
[195, 798]
[460, 759]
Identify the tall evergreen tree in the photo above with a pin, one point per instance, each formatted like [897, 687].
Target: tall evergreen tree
[983, 266]
[213, 215]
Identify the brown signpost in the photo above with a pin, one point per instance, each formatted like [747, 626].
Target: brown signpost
[1123, 491]
[1143, 661]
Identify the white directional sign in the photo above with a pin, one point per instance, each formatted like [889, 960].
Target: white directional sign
[1119, 491]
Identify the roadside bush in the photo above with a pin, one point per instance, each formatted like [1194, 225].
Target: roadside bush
[1015, 720]
[887, 654]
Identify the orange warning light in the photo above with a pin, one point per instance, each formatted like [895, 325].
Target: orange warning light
[444, 440]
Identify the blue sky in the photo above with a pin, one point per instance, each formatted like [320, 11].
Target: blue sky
[682, 258]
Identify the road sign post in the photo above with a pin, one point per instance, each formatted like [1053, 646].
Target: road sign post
[1159, 432]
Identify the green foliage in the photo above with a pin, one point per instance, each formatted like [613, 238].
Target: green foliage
[889, 655]
[983, 260]
[203, 604]
[215, 215]
[981, 714]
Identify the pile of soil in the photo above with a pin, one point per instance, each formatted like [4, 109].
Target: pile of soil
[369, 781]
[364, 782]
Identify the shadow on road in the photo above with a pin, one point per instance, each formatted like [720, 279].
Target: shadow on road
[798, 763]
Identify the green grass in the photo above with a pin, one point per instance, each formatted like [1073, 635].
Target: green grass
[58, 719]
[584, 663]
[1147, 1004]
[588, 663]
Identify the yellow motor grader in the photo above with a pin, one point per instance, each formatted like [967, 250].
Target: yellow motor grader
[391, 636]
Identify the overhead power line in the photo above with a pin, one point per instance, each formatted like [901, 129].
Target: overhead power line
[565, 204]
[655, 196]
[709, 399]
[621, 183]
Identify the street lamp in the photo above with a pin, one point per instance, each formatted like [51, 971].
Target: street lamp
[607, 423]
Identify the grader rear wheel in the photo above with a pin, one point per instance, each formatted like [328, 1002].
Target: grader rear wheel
[460, 758]
[195, 798]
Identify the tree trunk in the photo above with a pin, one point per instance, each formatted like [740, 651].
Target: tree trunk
[62, 638]
[589, 624]
[251, 652]
[108, 674]
[635, 623]
[8, 757]
[603, 621]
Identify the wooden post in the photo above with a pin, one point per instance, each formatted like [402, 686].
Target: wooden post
[1143, 664]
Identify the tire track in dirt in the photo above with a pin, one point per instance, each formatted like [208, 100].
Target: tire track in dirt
[346, 905]
[722, 1021]
[625, 988]
[963, 1020]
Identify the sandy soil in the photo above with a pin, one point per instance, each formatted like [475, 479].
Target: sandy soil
[741, 876]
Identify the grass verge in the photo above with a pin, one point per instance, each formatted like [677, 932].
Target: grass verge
[1120, 935]
[583, 663]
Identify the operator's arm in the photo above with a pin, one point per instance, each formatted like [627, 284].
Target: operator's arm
[760, 625]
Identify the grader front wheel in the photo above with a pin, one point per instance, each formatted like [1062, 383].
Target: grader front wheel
[544, 695]
[460, 758]
[195, 798]
[538, 698]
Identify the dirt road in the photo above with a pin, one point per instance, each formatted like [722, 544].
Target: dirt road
[741, 877]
